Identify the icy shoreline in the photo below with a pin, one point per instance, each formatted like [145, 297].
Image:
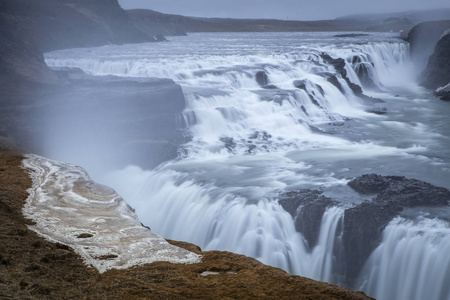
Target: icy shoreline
[71, 209]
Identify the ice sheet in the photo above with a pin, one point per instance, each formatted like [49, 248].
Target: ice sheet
[71, 209]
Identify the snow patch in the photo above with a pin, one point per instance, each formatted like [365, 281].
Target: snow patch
[71, 209]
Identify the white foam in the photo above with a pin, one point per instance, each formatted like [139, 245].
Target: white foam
[65, 203]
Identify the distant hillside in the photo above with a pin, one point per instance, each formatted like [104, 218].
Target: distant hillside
[413, 16]
[148, 20]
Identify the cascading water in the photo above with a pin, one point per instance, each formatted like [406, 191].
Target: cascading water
[411, 263]
[304, 125]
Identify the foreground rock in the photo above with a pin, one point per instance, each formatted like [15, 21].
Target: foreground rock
[34, 268]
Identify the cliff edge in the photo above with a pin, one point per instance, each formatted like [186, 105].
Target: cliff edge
[430, 51]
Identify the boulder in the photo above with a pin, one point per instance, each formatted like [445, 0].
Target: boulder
[261, 78]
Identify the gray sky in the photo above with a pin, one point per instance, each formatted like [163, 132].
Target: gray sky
[281, 9]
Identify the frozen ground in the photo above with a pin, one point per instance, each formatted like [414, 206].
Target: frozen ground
[69, 208]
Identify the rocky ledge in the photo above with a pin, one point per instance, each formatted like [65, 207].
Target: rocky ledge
[32, 267]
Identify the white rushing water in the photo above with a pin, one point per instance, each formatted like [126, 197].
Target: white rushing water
[249, 144]
[412, 262]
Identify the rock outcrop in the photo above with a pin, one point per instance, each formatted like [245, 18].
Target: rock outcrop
[363, 224]
[306, 208]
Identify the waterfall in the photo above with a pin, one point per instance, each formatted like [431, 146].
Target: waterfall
[412, 262]
[252, 141]
[212, 218]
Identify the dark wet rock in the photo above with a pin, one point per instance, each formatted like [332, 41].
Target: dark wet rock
[307, 208]
[160, 38]
[363, 70]
[314, 101]
[251, 148]
[261, 78]
[437, 72]
[378, 111]
[260, 135]
[334, 81]
[443, 92]
[346, 35]
[229, 143]
[369, 184]
[400, 190]
[363, 228]
[300, 84]
[304, 110]
[311, 88]
[337, 63]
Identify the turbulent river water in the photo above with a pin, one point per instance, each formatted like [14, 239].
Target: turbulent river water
[303, 125]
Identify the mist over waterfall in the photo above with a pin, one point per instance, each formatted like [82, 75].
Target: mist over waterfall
[271, 113]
